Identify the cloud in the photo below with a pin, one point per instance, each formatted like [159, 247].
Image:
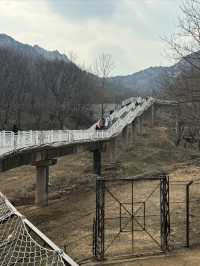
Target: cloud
[83, 10]
[129, 30]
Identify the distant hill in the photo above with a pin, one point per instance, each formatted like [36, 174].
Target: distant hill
[41, 89]
[33, 52]
[149, 81]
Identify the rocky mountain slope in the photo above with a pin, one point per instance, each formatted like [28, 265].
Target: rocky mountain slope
[149, 81]
[33, 52]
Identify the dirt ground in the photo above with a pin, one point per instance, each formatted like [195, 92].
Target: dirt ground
[181, 258]
[68, 219]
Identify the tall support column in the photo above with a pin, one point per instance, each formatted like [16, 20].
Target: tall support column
[125, 136]
[97, 161]
[139, 122]
[164, 213]
[42, 179]
[112, 149]
[133, 130]
[153, 115]
[130, 133]
[100, 219]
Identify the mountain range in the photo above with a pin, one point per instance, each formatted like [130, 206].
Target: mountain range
[150, 80]
[145, 82]
[32, 52]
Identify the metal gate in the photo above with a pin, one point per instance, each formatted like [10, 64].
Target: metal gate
[132, 216]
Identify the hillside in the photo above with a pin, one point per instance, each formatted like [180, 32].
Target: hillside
[150, 81]
[31, 52]
[41, 89]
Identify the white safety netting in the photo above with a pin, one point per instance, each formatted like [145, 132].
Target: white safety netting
[17, 247]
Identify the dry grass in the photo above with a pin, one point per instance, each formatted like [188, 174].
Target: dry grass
[72, 196]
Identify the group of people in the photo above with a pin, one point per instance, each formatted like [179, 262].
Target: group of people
[104, 123]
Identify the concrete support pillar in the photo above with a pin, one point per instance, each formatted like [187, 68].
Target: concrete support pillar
[97, 162]
[139, 122]
[112, 149]
[42, 179]
[41, 192]
[153, 115]
[125, 136]
[130, 134]
[133, 130]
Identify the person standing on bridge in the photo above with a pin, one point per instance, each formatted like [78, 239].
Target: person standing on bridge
[15, 129]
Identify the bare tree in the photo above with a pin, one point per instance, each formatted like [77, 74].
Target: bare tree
[185, 44]
[185, 88]
[103, 67]
[43, 94]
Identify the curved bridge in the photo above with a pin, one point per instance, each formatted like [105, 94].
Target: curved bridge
[31, 140]
[41, 148]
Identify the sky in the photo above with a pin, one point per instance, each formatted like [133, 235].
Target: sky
[131, 31]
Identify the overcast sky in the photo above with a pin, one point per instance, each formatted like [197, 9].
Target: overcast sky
[129, 30]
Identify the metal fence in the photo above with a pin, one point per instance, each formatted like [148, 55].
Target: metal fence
[132, 216]
[137, 217]
[144, 216]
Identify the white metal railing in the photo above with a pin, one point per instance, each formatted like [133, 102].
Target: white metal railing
[23, 139]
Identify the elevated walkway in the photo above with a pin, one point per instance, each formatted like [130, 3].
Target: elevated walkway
[25, 140]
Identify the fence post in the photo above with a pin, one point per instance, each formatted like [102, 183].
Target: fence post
[100, 219]
[188, 214]
[164, 213]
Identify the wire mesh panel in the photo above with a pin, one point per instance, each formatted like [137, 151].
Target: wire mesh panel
[178, 215]
[132, 217]
[79, 228]
[194, 214]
